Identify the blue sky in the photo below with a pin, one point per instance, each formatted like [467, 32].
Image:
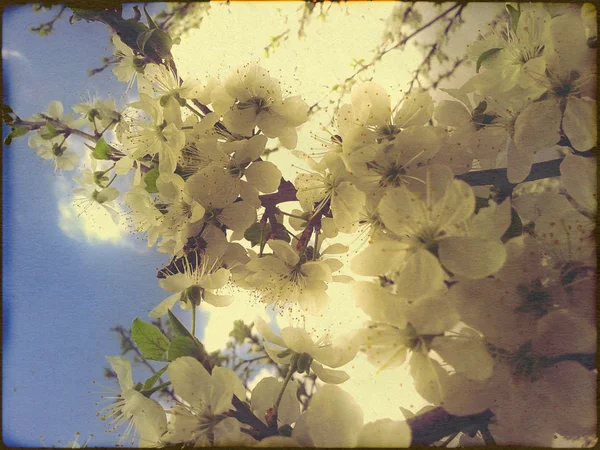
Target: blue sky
[60, 295]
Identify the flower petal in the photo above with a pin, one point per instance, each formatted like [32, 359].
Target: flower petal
[335, 418]
[385, 433]
[328, 375]
[191, 381]
[218, 300]
[164, 306]
[472, 258]
[264, 176]
[122, 367]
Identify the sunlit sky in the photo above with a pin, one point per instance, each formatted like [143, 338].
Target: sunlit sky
[68, 277]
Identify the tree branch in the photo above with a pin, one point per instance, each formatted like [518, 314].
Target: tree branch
[436, 424]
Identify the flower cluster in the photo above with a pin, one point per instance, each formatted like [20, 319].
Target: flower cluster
[485, 295]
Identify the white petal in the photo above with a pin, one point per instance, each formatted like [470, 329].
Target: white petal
[254, 147]
[519, 163]
[238, 216]
[298, 340]
[416, 110]
[55, 109]
[288, 137]
[579, 123]
[385, 433]
[264, 176]
[164, 306]
[421, 277]
[537, 127]
[561, 333]
[471, 257]
[265, 331]
[284, 251]
[466, 354]
[335, 418]
[215, 280]
[317, 270]
[228, 376]
[379, 258]
[122, 367]
[328, 375]
[335, 249]
[218, 300]
[450, 113]
[578, 175]
[175, 283]
[380, 304]
[191, 381]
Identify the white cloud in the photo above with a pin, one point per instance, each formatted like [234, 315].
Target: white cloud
[12, 54]
[94, 225]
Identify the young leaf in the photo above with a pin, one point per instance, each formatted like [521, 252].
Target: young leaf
[17, 131]
[257, 232]
[101, 151]
[150, 382]
[151, 342]
[143, 38]
[485, 56]
[179, 329]
[184, 346]
[150, 180]
[515, 14]
[51, 133]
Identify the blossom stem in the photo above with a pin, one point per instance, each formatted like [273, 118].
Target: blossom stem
[161, 386]
[193, 319]
[198, 113]
[111, 181]
[107, 127]
[288, 377]
[290, 215]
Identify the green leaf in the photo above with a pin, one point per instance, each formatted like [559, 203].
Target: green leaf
[485, 56]
[240, 331]
[515, 14]
[151, 23]
[51, 133]
[16, 131]
[150, 180]
[151, 342]
[179, 329]
[19, 131]
[142, 39]
[257, 233]
[101, 151]
[184, 346]
[150, 382]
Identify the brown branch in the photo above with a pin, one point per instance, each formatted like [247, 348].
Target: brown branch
[436, 424]
[403, 42]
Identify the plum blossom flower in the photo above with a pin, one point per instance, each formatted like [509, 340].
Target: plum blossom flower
[513, 52]
[256, 100]
[296, 345]
[89, 197]
[158, 138]
[142, 414]
[202, 420]
[428, 234]
[287, 279]
[334, 419]
[54, 150]
[196, 283]
[332, 186]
